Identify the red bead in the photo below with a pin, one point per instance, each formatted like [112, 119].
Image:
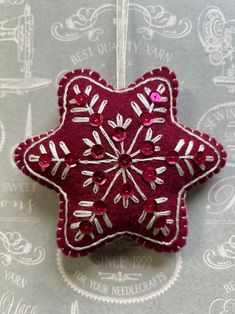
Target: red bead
[86, 227]
[147, 148]
[81, 99]
[200, 158]
[149, 206]
[160, 222]
[71, 160]
[155, 97]
[149, 174]
[96, 119]
[99, 177]
[119, 134]
[146, 118]
[127, 190]
[44, 160]
[99, 208]
[172, 157]
[125, 161]
[97, 151]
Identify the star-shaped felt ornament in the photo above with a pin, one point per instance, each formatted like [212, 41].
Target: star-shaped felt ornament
[120, 162]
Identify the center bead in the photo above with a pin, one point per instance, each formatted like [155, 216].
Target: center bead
[125, 161]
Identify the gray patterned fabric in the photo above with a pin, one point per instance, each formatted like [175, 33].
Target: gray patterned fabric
[39, 42]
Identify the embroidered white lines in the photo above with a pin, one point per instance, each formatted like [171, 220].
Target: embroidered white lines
[199, 158]
[159, 220]
[122, 162]
[96, 210]
[47, 158]
[149, 102]
[147, 149]
[142, 115]
[84, 102]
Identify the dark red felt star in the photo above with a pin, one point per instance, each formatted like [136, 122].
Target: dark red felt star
[120, 162]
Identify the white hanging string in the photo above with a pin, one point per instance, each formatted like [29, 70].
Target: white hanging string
[121, 40]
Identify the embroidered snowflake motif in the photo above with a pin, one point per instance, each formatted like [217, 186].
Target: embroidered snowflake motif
[121, 162]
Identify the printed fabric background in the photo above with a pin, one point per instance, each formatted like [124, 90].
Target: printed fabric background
[39, 42]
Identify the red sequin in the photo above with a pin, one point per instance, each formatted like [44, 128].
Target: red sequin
[96, 119]
[155, 97]
[125, 161]
[81, 99]
[127, 190]
[149, 206]
[160, 222]
[146, 118]
[71, 160]
[149, 174]
[97, 151]
[119, 134]
[147, 148]
[99, 208]
[44, 160]
[172, 157]
[86, 227]
[99, 177]
[200, 158]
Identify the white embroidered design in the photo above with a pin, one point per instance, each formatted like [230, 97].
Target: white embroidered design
[15, 248]
[93, 217]
[156, 21]
[89, 106]
[123, 161]
[168, 241]
[115, 161]
[156, 217]
[187, 158]
[58, 161]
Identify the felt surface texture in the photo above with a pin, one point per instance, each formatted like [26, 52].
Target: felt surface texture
[154, 212]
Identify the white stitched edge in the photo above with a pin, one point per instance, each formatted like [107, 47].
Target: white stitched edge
[65, 195]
